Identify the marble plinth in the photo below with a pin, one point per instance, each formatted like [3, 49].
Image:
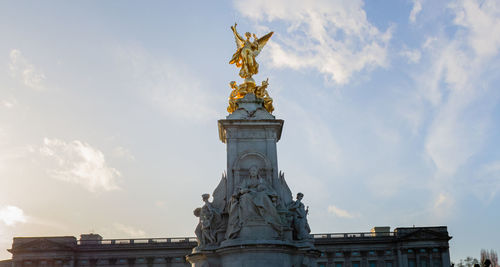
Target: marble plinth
[255, 253]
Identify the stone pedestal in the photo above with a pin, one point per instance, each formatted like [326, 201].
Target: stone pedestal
[257, 253]
[252, 207]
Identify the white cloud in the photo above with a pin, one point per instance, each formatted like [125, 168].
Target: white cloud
[482, 21]
[417, 7]
[451, 139]
[487, 182]
[443, 205]
[454, 84]
[22, 69]
[340, 212]
[413, 55]
[129, 230]
[442, 200]
[10, 102]
[78, 162]
[333, 37]
[11, 215]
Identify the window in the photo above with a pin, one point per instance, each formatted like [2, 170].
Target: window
[423, 250]
[355, 264]
[388, 252]
[338, 254]
[356, 254]
[372, 253]
[423, 262]
[435, 250]
[410, 250]
[322, 264]
[436, 263]
[372, 264]
[388, 264]
[412, 263]
[338, 264]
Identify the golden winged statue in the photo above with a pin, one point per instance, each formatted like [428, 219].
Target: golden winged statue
[244, 58]
[246, 53]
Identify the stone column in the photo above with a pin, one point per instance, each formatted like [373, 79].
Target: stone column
[364, 258]
[380, 257]
[347, 258]
[404, 259]
[445, 257]
[400, 258]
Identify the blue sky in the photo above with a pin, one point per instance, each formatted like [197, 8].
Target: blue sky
[108, 113]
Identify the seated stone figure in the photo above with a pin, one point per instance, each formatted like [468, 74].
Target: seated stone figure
[254, 201]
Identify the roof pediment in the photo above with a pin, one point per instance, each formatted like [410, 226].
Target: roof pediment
[424, 234]
[42, 244]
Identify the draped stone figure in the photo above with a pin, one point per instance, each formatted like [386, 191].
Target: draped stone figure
[209, 222]
[197, 231]
[254, 201]
[300, 224]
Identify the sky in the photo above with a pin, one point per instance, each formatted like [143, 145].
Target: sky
[109, 109]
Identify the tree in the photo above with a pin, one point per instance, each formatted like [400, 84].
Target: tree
[467, 262]
[491, 255]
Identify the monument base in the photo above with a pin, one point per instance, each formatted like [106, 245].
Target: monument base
[262, 253]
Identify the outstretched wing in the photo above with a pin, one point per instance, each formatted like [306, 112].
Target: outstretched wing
[237, 37]
[262, 42]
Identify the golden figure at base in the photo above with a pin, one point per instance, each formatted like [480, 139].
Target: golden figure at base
[239, 91]
[235, 94]
[261, 92]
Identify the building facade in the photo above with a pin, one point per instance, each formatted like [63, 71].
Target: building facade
[403, 247]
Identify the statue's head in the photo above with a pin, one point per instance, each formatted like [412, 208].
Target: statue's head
[253, 171]
[205, 197]
[248, 35]
[300, 196]
[233, 84]
[197, 212]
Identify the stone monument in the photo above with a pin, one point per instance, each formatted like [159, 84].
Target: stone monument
[252, 219]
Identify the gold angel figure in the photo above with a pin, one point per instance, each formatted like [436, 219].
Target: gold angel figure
[246, 52]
